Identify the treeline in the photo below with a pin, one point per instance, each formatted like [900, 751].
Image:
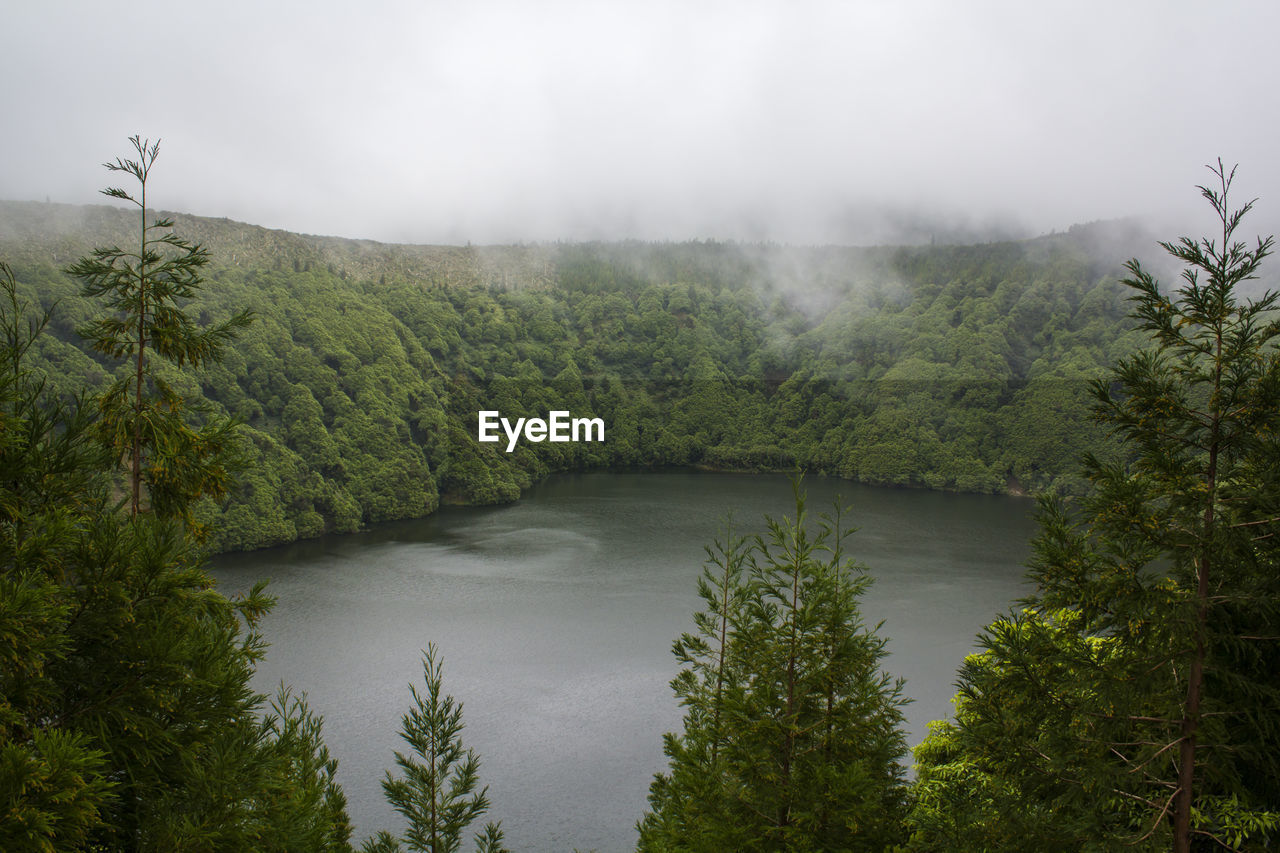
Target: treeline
[961, 368]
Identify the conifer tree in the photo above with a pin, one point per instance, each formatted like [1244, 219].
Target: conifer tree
[437, 792]
[1202, 411]
[796, 746]
[127, 720]
[1134, 701]
[820, 738]
[142, 417]
[53, 782]
[689, 806]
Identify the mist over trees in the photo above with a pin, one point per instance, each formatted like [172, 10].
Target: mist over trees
[357, 386]
[1133, 701]
[1130, 700]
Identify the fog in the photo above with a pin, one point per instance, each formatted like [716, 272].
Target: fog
[801, 122]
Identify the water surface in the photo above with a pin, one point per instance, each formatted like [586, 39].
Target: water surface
[555, 617]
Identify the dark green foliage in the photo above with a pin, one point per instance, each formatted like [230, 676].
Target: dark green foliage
[791, 737]
[51, 792]
[126, 717]
[689, 806]
[53, 781]
[1134, 702]
[437, 791]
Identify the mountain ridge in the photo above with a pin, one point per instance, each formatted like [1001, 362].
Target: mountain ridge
[61, 232]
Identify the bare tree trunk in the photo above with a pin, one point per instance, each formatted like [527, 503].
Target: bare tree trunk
[1191, 723]
[1195, 680]
[136, 461]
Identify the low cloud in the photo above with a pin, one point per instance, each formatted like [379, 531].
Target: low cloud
[807, 122]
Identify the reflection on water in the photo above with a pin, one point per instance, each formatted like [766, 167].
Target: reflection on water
[555, 617]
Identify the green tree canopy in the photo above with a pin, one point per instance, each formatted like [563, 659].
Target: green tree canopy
[1134, 701]
[792, 736]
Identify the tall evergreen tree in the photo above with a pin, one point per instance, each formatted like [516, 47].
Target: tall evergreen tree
[689, 806]
[1135, 699]
[795, 744]
[143, 418]
[1202, 412]
[127, 720]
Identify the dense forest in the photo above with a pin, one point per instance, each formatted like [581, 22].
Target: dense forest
[359, 382]
[155, 403]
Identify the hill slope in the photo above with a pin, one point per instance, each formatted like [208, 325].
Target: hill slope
[951, 367]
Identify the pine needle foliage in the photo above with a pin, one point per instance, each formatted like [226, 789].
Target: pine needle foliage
[1134, 700]
[127, 719]
[54, 786]
[792, 736]
[436, 792]
[145, 421]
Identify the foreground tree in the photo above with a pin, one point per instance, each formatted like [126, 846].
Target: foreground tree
[437, 792]
[792, 734]
[1207, 465]
[1135, 699]
[127, 720]
[688, 805]
[53, 781]
[142, 417]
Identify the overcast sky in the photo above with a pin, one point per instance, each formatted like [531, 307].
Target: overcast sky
[793, 121]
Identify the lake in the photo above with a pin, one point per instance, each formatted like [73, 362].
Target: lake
[555, 618]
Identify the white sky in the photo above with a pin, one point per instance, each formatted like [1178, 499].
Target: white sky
[659, 119]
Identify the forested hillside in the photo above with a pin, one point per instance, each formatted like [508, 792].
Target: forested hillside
[358, 384]
[1130, 700]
